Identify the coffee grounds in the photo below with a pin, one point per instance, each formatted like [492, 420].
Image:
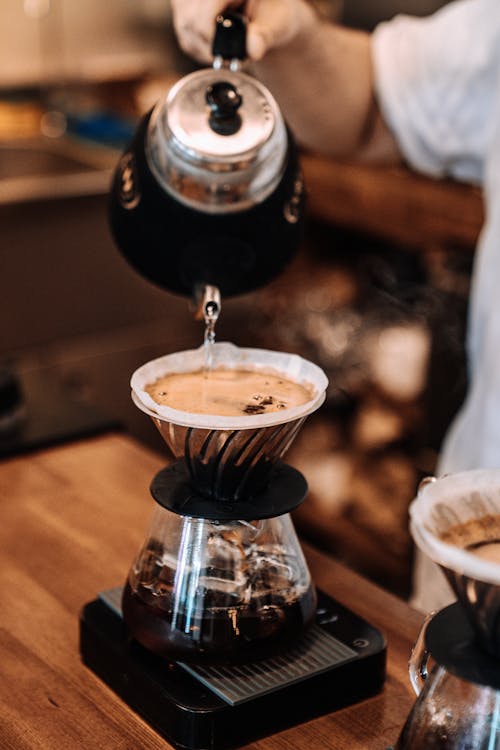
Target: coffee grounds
[474, 532]
[254, 409]
[229, 392]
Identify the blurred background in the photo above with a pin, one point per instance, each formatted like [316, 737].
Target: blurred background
[377, 295]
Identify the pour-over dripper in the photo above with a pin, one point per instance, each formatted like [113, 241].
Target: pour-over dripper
[221, 575]
[466, 506]
[203, 589]
[229, 458]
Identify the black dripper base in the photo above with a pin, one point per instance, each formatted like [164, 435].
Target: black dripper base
[339, 661]
[453, 644]
[285, 490]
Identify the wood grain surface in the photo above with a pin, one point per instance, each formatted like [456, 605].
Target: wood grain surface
[394, 203]
[72, 519]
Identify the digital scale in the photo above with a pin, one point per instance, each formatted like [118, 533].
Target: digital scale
[339, 661]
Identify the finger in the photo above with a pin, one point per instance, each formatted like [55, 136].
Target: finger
[257, 44]
[268, 26]
[200, 50]
[274, 23]
[192, 31]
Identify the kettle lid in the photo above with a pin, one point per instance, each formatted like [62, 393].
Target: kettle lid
[218, 142]
[217, 116]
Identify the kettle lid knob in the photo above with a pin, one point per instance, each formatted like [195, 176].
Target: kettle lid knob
[224, 101]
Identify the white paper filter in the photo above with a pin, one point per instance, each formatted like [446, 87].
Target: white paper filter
[451, 500]
[228, 355]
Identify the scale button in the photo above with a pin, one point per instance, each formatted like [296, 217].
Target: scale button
[324, 616]
[361, 643]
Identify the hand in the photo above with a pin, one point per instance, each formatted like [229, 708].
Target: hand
[272, 23]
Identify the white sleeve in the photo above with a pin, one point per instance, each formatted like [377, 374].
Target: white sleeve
[434, 79]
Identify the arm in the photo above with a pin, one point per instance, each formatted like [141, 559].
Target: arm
[323, 81]
[320, 74]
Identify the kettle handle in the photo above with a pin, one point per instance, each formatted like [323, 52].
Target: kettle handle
[419, 657]
[230, 39]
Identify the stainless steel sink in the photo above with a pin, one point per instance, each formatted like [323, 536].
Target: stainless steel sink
[37, 160]
[45, 168]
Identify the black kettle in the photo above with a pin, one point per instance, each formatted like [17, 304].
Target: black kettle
[210, 190]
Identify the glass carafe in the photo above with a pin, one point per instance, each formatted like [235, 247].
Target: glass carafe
[202, 590]
[450, 713]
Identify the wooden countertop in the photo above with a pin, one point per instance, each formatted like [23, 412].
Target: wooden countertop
[73, 518]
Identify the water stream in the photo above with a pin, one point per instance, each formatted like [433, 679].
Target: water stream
[210, 311]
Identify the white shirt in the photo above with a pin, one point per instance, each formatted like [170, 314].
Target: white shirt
[438, 85]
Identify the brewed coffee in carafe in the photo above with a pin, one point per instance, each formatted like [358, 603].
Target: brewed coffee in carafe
[203, 590]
